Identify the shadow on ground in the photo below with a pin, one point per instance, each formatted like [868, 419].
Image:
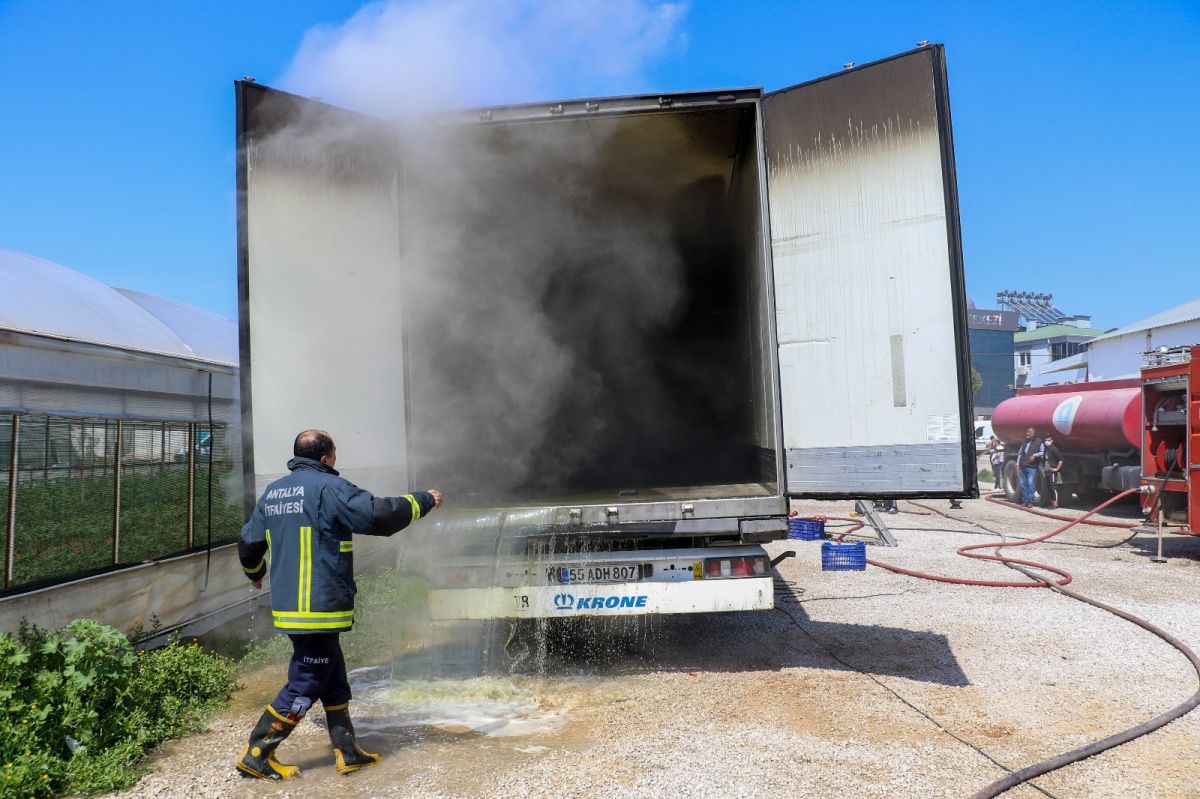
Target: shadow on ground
[1175, 546]
[728, 642]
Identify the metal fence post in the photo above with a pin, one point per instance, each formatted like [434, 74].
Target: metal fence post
[10, 525]
[191, 485]
[116, 546]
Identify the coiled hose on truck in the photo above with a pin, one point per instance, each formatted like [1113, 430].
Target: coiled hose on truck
[1020, 776]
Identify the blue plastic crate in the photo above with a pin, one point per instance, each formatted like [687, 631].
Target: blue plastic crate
[806, 529]
[844, 557]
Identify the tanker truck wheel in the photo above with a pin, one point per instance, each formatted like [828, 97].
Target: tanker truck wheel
[1012, 482]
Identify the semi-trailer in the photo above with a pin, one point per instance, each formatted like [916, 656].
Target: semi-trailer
[619, 333]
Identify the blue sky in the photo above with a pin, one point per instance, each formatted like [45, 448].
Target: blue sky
[1075, 128]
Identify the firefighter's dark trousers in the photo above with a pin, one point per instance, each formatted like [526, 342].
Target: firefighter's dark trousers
[317, 673]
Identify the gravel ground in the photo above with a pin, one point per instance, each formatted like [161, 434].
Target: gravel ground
[860, 685]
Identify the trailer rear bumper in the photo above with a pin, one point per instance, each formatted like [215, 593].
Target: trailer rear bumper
[614, 599]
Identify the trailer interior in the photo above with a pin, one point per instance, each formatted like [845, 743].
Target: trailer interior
[590, 308]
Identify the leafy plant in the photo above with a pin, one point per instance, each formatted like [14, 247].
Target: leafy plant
[79, 706]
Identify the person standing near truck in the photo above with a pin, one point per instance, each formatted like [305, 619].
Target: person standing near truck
[995, 452]
[1052, 461]
[1028, 457]
[306, 520]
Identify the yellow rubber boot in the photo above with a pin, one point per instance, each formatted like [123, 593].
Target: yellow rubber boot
[258, 758]
[348, 756]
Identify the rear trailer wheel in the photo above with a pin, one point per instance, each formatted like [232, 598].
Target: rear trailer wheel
[1012, 482]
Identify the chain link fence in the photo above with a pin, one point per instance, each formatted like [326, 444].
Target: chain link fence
[85, 495]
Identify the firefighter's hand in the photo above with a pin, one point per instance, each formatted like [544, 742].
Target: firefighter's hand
[437, 497]
[257, 584]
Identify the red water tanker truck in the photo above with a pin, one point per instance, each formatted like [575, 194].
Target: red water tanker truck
[1118, 434]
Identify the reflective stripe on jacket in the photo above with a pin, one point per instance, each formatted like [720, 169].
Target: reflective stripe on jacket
[306, 520]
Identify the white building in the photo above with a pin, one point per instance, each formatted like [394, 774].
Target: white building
[1118, 353]
[1111, 355]
[1050, 353]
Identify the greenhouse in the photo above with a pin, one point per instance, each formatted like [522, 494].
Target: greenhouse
[119, 447]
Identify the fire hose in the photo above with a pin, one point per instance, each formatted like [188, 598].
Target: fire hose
[1020, 776]
[969, 551]
[999, 500]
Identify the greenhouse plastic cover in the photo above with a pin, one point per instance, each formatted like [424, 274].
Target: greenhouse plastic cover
[48, 299]
[209, 336]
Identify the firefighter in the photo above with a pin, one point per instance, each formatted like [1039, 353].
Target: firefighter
[306, 520]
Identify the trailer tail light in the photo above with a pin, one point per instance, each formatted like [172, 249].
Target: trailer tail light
[722, 568]
[464, 577]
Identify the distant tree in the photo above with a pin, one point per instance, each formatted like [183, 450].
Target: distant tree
[976, 381]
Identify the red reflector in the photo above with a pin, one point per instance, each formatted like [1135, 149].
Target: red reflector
[464, 577]
[714, 568]
[742, 567]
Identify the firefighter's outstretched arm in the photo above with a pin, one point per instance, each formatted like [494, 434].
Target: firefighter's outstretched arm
[361, 512]
[252, 548]
[390, 515]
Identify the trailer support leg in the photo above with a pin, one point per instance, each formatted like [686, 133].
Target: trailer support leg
[1159, 557]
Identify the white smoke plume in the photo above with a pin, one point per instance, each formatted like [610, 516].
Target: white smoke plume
[579, 328]
[398, 58]
[510, 228]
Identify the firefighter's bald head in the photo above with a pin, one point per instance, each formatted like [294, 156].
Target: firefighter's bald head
[317, 445]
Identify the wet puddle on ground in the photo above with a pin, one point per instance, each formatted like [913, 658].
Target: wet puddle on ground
[485, 705]
[460, 727]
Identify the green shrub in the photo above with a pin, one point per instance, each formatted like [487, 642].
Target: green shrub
[112, 769]
[986, 476]
[79, 706]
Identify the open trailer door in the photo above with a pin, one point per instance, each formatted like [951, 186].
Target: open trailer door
[319, 285]
[869, 294]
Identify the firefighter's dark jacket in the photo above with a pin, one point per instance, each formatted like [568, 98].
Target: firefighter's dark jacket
[306, 520]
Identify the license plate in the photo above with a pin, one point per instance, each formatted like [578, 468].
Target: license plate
[598, 573]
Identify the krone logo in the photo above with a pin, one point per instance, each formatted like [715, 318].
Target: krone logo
[564, 601]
